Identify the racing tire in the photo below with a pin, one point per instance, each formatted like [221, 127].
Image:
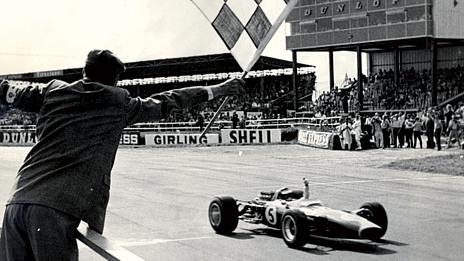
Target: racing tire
[294, 230]
[223, 214]
[375, 213]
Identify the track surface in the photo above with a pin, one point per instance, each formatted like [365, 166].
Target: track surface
[159, 200]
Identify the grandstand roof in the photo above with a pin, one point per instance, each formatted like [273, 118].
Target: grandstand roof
[215, 63]
[386, 45]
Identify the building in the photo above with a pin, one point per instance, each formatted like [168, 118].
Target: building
[396, 34]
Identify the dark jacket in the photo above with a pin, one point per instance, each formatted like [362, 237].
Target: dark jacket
[78, 132]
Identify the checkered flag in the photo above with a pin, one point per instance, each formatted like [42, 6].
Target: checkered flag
[245, 26]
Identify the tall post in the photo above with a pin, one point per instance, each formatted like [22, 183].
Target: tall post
[295, 87]
[397, 67]
[434, 72]
[360, 83]
[331, 70]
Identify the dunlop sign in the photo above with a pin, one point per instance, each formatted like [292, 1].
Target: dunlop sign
[17, 138]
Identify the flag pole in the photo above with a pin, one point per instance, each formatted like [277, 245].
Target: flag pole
[290, 5]
[216, 114]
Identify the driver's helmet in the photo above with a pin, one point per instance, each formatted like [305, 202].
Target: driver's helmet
[266, 195]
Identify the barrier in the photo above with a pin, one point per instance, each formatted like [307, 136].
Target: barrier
[102, 245]
[185, 133]
[155, 139]
[250, 136]
[324, 140]
[19, 137]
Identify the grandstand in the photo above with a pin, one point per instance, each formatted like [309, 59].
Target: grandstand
[269, 85]
[415, 50]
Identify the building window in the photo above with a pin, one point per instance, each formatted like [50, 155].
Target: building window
[415, 13]
[324, 24]
[377, 18]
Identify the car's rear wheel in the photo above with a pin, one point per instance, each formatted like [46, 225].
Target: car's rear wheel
[223, 214]
[375, 213]
[294, 230]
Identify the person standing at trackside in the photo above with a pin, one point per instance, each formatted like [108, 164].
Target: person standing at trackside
[449, 112]
[453, 131]
[345, 133]
[408, 130]
[396, 126]
[65, 178]
[357, 129]
[402, 119]
[429, 130]
[200, 121]
[386, 126]
[417, 131]
[235, 120]
[438, 127]
[376, 126]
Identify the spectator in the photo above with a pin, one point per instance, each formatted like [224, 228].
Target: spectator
[429, 130]
[235, 120]
[345, 133]
[453, 131]
[376, 126]
[417, 130]
[438, 126]
[357, 131]
[396, 125]
[402, 120]
[385, 125]
[200, 121]
[408, 130]
[449, 112]
[242, 122]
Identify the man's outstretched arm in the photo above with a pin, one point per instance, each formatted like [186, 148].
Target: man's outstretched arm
[160, 105]
[28, 99]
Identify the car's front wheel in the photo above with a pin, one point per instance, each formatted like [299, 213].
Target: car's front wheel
[294, 231]
[223, 214]
[375, 213]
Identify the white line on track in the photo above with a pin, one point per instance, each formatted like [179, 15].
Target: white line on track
[158, 241]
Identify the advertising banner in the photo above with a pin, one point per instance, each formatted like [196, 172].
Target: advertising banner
[250, 136]
[314, 138]
[155, 139]
[17, 138]
[131, 138]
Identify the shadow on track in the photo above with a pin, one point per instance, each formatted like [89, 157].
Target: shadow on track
[323, 245]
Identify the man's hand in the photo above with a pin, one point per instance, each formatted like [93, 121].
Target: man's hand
[3, 91]
[228, 88]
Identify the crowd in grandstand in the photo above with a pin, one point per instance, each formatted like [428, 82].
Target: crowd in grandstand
[398, 130]
[382, 93]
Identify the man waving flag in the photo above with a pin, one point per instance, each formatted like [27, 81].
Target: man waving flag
[245, 26]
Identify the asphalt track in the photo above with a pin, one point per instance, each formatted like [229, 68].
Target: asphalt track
[159, 200]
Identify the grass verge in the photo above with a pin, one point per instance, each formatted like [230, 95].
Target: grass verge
[447, 164]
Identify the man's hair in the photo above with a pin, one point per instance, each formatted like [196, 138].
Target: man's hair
[103, 66]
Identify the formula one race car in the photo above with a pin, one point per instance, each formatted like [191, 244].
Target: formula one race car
[298, 217]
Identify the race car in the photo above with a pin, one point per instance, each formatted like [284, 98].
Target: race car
[298, 217]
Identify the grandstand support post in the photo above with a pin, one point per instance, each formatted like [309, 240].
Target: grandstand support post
[397, 67]
[295, 74]
[360, 78]
[331, 70]
[434, 72]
